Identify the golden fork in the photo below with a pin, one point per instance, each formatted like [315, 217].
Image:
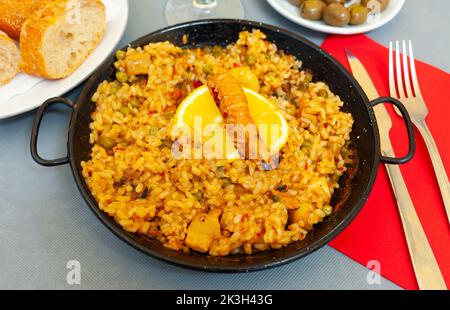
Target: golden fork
[408, 92]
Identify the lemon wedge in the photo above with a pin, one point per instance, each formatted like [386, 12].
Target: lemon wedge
[272, 126]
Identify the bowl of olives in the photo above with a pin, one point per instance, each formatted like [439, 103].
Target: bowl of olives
[339, 16]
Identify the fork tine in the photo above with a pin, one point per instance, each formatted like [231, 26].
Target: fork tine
[413, 71]
[398, 69]
[391, 72]
[409, 92]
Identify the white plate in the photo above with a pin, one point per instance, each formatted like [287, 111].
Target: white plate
[291, 12]
[32, 92]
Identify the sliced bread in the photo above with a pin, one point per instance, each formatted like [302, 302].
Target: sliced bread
[13, 14]
[9, 59]
[58, 38]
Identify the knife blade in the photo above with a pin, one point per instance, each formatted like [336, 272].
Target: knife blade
[428, 274]
[383, 119]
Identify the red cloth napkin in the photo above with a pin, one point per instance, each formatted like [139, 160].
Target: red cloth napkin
[377, 233]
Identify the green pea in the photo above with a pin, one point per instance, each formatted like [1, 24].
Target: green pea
[307, 144]
[153, 131]
[199, 196]
[308, 76]
[328, 210]
[134, 103]
[125, 110]
[323, 93]
[251, 59]
[122, 77]
[220, 171]
[226, 182]
[120, 55]
[217, 51]
[114, 87]
[207, 69]
[275, 198]
[107, 143]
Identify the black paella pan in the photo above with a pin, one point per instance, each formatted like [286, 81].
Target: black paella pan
[365, 139]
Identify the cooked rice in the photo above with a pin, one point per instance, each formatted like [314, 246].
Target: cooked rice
[135, 179]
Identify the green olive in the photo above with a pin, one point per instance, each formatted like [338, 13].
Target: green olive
[334, 1]
[372, 5]
[336, 15]
[312, 9]
[358, 14]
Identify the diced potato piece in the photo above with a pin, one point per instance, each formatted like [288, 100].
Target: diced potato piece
[289, 202]
[246, 77]
[137, 63]
[301, 215]
[202, 231]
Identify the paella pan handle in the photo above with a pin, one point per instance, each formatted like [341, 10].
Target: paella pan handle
[35, 132]
[409, 128]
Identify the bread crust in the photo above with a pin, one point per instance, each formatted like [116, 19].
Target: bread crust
[33, 34]
[14, 13]
[5, 39]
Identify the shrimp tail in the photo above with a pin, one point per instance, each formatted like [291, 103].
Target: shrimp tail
[232, 102]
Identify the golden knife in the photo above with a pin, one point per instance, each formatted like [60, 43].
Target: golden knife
[428, 274]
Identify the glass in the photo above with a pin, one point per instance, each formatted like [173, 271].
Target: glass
[179, 11]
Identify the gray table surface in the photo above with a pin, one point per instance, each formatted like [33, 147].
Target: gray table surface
[44, 222]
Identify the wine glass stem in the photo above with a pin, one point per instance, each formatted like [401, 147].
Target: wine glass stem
[204, 4]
